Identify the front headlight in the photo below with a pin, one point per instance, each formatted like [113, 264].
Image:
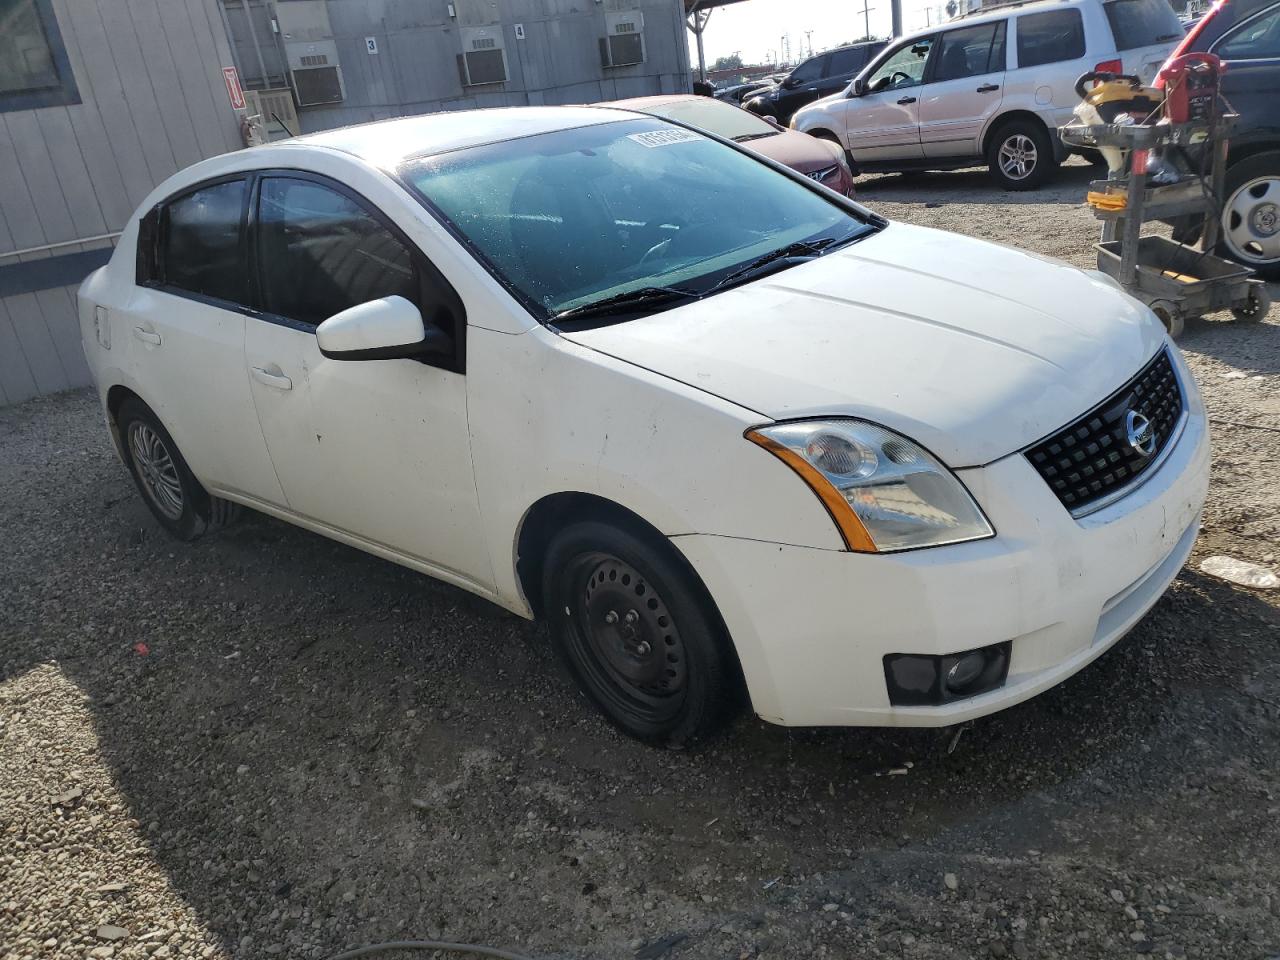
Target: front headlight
[884, 492]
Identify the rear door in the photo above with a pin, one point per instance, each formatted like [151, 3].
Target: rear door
[963, 90]
[883, 123]
[843, 65]
[801, 86]
[1145, 33]
[186, 324]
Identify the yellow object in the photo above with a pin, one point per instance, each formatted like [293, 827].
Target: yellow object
[1181, 277]
[1106, 201]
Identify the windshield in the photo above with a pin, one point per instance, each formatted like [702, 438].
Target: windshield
[1142, 23]
[576, 216]
[713, 116]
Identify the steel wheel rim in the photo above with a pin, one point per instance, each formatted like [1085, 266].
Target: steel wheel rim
[627, 640]
[1251, 221]
[157, 470]
[1018, 156]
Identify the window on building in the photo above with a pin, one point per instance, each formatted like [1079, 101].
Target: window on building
[1050, 37]
[200, 248]
[34, 71]
[321, 252]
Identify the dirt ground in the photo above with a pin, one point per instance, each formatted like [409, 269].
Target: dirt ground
[269, 745]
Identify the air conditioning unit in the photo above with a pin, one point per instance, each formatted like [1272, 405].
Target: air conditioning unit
[279, 118]
[623, 44]
[311, 51]
[483, 59]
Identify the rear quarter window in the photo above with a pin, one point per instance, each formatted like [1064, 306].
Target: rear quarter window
[1142, 23]
[1050, 37]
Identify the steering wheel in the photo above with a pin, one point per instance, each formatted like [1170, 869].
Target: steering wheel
[665, 242]
[893, 78]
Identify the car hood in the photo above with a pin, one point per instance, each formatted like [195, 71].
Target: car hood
[973, 349]
[799, 151]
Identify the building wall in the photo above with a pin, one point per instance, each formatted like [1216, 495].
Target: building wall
[149, 78]
[415, 69]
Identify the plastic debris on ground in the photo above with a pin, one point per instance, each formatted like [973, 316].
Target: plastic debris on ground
[1240, 571]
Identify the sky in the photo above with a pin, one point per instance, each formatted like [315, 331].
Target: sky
[754, 28]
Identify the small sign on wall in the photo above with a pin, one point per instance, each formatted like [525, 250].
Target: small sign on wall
[519, 31]
[371, 44]
[232, 79]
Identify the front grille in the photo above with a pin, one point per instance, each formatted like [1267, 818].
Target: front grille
[1093, 457]
[822, 174]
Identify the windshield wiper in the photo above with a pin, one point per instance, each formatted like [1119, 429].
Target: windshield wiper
[627, 302]
[744, 137]
[801, 248]
[1168, 36]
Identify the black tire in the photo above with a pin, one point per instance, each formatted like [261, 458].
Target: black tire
[638, 633]
[170, 490]
[1030, 149]
[1260, 175]
[1255, 306]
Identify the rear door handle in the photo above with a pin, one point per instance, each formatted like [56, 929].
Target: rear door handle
[989, 88]
[906, 100]
[147, 336]
[271, 378]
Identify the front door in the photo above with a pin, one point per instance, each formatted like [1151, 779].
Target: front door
[883, 123]
[963, 90]
[376, 450]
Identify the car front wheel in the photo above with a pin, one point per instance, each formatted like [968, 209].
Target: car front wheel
[173, 494]
[1021, 156]
[1251, 214]
[638, 633]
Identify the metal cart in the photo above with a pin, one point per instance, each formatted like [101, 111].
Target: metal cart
[1177, 281]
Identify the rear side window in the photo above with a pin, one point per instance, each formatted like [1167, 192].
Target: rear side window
[848, 60]
[970, 52]
[322, 252]
[1050, 37]
[200, 249]
[1142, 23]
[1256, 40]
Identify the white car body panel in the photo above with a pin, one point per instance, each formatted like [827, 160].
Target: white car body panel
[796, 344]
[972, 349]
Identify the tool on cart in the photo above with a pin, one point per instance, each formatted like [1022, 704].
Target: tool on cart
[1181, 119]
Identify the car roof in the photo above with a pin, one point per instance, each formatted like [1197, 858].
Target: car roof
[387, 142]
[1000, 12]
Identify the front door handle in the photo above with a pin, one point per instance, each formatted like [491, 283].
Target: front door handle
[905, 100]
[272, 378]
[989, 88]
[147, 336]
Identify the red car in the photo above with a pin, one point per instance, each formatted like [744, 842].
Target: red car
[823, 160]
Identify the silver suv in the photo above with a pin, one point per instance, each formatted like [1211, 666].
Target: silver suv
[992, 86]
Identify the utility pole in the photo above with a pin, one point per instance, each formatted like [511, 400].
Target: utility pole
[808, 35]
[866, 12]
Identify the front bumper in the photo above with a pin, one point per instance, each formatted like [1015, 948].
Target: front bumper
[812, 626]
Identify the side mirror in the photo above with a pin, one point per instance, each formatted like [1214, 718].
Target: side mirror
[386, 329]
[858, 87]
[788, 83]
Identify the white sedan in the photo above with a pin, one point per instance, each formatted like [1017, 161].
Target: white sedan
[721, 427]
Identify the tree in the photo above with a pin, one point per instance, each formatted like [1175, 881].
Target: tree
[731, 62]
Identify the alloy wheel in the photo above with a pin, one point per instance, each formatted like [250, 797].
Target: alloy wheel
[1251, 221]
[157, 469]
[1018, 156]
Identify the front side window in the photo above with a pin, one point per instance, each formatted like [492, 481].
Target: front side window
[572, 218]
[1050, 37]
[808, 71]
[904, 68]
[847, 60]
[970, 52]
[1256, 40]
[1142, 23]
[34, 71]
[321, 252]
[200, 246]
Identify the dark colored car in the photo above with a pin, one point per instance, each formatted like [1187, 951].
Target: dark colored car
[819, 160]
[817, 77]
[740, 91]
[1245, 34]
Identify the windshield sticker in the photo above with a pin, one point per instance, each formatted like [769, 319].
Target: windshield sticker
[662, 138]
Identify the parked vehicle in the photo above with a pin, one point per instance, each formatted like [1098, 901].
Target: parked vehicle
[820, 75]
[992, 87]
[819, 160]
[1245, 34]
[740, 91]
[716, 424]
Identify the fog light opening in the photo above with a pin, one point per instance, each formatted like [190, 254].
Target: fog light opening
[965, 671]
[928, 680]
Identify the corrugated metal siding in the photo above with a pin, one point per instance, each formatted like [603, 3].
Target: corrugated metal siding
[149, 73]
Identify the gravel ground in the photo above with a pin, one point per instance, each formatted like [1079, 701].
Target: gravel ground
[220, 750]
